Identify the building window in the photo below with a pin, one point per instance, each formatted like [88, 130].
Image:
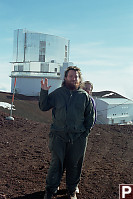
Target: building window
[65, 48]
[20, 67]
[123, 121]
[42, 49]
[53, 61]
[65, 58]
[42, 58]
[55, 69]
[112, 120]
[16, 68]
[66, 54]
[44, 67]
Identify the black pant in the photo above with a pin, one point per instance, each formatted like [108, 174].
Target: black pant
[65, 155]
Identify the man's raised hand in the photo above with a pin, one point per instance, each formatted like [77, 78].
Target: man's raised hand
[44, 84]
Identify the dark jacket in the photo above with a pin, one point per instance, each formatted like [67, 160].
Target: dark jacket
[72, 111]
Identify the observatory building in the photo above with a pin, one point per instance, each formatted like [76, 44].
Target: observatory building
[113, 108]
[37, 56]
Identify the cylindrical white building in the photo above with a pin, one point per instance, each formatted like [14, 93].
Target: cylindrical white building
[37, 56]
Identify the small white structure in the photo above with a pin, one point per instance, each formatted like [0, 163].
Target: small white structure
[37, 56]
[114, 110]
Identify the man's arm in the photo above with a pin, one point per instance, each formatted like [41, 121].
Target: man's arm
[44, 85]
[94, 106]
[89, 116]
[45, 100]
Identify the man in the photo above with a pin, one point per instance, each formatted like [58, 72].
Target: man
[73, 117]
[88, 87]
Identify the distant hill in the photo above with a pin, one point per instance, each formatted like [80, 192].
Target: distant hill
[26, 107]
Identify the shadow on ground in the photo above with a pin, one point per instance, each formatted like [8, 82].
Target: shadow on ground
[40, 195]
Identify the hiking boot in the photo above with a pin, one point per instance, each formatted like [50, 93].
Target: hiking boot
[56, 191]
[48, 195]
[73, 195]
[77, 189]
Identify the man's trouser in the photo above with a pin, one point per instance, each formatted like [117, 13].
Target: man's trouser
[65, 155]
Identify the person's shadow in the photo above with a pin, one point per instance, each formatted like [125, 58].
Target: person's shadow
[61, 194]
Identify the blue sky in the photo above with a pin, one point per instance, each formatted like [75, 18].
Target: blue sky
[100, 34]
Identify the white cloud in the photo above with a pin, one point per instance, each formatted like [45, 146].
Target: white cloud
[108, 68]
[100, 51]
[95, 63]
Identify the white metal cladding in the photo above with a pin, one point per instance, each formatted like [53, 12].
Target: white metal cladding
[30, 46]
[114, 110]
[32, 86]
[116, 100]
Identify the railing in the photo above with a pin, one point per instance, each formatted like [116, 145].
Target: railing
[34, 74]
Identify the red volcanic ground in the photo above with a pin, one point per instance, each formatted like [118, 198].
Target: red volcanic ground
[25, 157]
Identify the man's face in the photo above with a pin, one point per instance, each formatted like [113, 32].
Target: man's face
[72, 80]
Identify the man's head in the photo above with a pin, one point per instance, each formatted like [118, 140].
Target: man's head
[72, 78]
[88, 87]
